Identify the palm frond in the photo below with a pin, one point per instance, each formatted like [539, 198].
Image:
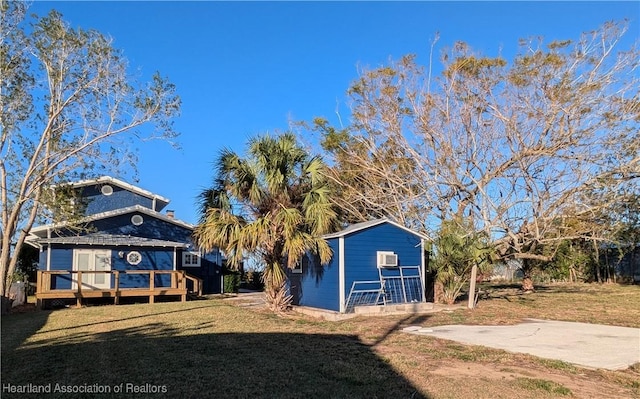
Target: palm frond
[285, 201]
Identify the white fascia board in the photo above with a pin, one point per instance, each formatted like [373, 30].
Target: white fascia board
[30, 239]
[119, 183]
[365, 225]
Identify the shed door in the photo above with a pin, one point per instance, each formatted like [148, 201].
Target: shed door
[93, 260]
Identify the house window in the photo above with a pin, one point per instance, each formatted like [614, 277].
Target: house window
[137, 220]
[297, 268]
[134, 257]
[190, 259]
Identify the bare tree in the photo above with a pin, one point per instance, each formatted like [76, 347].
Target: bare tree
[512, 146]
[70, 109]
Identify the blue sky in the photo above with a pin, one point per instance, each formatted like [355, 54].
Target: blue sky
[249, 68]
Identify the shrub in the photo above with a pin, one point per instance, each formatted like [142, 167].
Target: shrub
[231, 281]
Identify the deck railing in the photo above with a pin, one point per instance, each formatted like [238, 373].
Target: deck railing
[181, 284]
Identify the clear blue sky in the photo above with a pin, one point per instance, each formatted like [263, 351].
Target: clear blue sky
[247, 68]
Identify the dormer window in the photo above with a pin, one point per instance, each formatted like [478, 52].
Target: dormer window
[106, 190]
[137, 220]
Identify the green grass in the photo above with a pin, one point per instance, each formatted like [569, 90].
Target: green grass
[190, 350]
[544, 385]
[212, 348]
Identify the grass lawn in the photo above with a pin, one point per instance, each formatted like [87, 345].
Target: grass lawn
[217, 349]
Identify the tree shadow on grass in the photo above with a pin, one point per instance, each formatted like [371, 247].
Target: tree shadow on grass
[195, 363]
[18, 327]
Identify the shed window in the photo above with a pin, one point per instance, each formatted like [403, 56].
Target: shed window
[191, 259]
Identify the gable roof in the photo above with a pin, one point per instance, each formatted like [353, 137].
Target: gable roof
[160, 201]
[38, 231]
[371, 223]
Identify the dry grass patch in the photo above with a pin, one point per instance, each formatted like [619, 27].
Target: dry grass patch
[214, 348]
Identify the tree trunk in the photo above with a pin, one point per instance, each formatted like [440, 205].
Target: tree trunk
[597, 261]
[472, 287]
[278, 298]
[527, 284]
[438, 294]
[527, 281]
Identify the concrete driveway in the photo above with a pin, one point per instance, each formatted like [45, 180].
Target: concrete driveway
[588, 345]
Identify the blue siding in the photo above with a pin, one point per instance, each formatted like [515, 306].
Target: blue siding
[361, 247]
[320, 289]
[152, 259]
[319, 284]
[61, 259]
[151, 227]
[42, 260]
[96, 202]
[210, 271]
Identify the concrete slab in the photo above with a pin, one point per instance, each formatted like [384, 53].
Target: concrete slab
[587, 345]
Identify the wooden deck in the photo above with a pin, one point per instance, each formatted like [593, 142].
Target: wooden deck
[182, 285]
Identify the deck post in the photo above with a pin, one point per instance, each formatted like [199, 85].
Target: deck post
[45, 282]
[116, 294]
[152, 285]
[183, 285]
[38, 281]
[79, 292]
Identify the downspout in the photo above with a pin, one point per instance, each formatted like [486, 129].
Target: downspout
[175, 258]
[49, 250]
[341, 274]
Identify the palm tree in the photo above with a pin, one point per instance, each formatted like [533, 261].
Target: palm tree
[458, 247]
[275, 203]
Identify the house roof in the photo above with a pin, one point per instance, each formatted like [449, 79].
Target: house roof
[160, 200]
[371, 223]
[41, 231]
[119, 240]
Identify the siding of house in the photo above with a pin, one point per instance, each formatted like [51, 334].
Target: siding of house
[209, 271]
[151, 227]
[61, 259]
[96, 202]
[107, 234]
[318, 285]
[360, 251]
[152, 259]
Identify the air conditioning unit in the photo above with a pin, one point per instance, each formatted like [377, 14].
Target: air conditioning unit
[387, 259]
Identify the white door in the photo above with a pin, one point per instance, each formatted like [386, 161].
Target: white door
[92, 260]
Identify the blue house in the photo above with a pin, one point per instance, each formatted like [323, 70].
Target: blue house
[121, 245]
[376, 262]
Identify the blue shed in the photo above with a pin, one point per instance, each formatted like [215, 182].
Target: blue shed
[374, 262]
